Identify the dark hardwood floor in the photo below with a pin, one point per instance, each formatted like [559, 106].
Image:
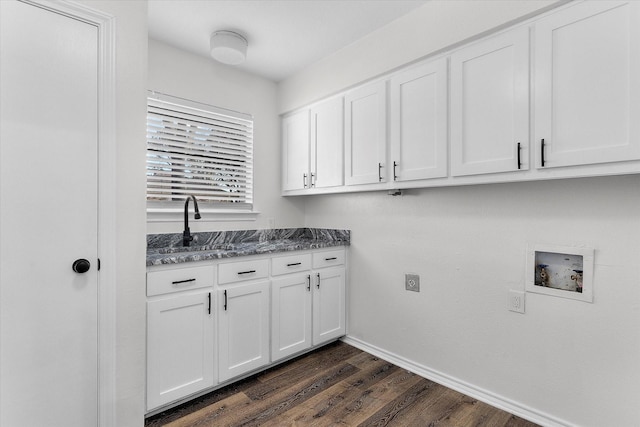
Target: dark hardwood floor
[337, 385]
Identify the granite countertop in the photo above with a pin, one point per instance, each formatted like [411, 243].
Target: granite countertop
[167, 248]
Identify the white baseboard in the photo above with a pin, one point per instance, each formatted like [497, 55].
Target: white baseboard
[456, 384]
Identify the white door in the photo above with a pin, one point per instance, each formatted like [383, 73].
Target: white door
[490, 105]
[327, 154]
[290, 315]
[329, 305]
[48, 218]
[419, 122]
[365, 134]
[243, 334]
[295, 151]
[587, 62]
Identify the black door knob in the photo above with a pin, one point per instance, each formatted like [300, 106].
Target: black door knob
[81, 265]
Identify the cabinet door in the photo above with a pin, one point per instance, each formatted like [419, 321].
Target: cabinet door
[295, 151]
[366, 134]
[179, 347]
[290, 315]
[243, 329]
[327, 153]
[587, 84]
[490, 105]
[328, 304]
[419, 122]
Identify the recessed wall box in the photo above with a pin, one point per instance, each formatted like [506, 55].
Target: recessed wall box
[561, 271]
[412, 282]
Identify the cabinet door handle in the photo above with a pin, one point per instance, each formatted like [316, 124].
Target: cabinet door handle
[293, 264]
[178, 282]
[395, 165]
[519, 162]
[209, 310]
[318, 284]
[380, 172]
[225, 300]
[313, 181]
[246, 272]
[309, 282]
[542, 153]
[333, 258]
[304, 180]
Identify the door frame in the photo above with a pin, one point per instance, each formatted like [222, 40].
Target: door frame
[107, 197]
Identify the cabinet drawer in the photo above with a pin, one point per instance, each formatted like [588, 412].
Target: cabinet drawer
[243, 270]
[290, 264]
[179, 279]
[328, 258]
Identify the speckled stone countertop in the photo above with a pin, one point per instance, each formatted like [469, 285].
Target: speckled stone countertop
[168, 249]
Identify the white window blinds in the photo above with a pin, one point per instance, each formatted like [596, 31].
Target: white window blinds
[198, 149]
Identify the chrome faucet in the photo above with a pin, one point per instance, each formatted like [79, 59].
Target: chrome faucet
[186, 235]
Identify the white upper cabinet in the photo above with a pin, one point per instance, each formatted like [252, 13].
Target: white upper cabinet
[295, 151]
[555, 97]
[587, 84]
[366, 134]
[490, 105]
[327, 144]
[418, 122]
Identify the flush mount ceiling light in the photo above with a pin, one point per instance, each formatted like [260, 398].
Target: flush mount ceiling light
[228, 47]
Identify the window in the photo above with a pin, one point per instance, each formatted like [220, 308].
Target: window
[197, 149]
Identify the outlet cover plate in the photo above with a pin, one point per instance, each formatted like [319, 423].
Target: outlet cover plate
[412, 282]
[515, 301]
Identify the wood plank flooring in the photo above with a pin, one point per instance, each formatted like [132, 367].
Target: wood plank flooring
[337, 385]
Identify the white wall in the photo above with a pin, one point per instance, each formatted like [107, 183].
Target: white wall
[428, 29]
[572, 360]
[131, 79]
[563, 360]
[179, 73]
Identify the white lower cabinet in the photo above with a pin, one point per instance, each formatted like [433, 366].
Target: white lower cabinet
[308, 308]
[290, 315]
[243, 329]
[202, 334]
[329, 305]
[180, 334]
[329, 315]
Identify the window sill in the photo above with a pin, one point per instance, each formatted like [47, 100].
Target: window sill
[210, 215]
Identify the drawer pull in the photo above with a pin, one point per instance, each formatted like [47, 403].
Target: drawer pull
[178, 282]
[331, 259]
[293, 264]
[246, 272]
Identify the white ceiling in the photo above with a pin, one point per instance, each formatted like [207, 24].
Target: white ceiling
[284, 36]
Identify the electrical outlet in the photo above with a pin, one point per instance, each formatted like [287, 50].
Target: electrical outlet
[412, 282]
[515, 301]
